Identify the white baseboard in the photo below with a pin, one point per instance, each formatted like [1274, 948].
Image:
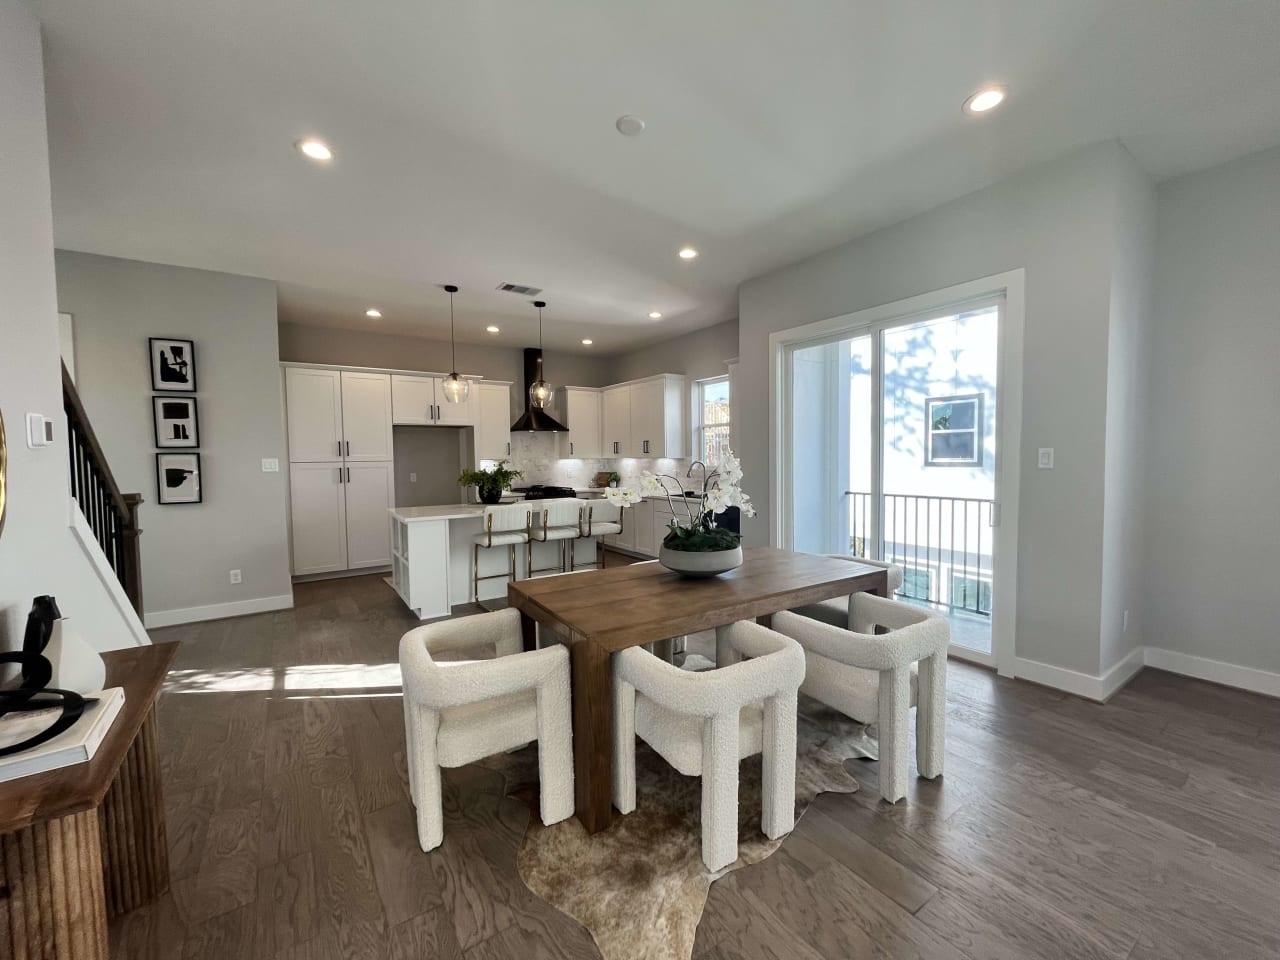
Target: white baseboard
[1103, 688]
[217, 611]
[1060, 678]
[1215, 671]
[1115, 679]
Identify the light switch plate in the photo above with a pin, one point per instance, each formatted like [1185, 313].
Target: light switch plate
[270, 465]
[1044, 459]
[39, 431]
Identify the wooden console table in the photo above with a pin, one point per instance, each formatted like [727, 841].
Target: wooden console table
[87, 842]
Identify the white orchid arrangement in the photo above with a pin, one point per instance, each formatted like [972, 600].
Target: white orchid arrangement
[721, 489]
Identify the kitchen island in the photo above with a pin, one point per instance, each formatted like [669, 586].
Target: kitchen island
[431, 557]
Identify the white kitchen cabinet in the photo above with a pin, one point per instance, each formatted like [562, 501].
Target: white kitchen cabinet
[366, 416]
[582, 417]
[369, 489]
[454, 414]
[644, 541]
[314, 401]
[317, 498]
[492, 403]
[413, 400]
[615, 417]
[644, 418]
[420, 401]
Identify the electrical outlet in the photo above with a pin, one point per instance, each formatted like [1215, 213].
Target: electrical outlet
[235, 576]
[270, 465]
[413, 478]
[1044, 458]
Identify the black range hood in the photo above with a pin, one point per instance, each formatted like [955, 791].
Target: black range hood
[534, 420]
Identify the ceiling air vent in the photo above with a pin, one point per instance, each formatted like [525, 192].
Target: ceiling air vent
[519, 289]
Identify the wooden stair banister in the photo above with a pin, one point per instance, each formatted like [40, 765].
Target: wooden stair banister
[112, 515]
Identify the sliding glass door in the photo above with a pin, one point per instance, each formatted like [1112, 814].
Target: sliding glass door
[891, 454]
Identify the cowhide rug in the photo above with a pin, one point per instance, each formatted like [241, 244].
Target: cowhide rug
[640, 886]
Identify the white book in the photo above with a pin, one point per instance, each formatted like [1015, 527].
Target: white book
[74, 745]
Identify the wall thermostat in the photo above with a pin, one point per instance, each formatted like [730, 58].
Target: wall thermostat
[39, 431]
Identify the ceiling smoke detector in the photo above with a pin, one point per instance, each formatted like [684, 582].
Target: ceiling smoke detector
[520, 289]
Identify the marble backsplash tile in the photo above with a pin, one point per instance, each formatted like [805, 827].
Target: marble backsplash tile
[535, 455]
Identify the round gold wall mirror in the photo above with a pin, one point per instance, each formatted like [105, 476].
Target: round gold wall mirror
[4, 465]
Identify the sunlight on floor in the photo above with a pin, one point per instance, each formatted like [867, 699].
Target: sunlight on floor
[320, 676]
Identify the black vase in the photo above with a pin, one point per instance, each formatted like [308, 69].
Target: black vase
[490, 494]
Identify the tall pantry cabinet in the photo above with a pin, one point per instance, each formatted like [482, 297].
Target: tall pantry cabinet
[341, 481]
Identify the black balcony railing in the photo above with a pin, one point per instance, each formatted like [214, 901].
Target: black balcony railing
[943, 544]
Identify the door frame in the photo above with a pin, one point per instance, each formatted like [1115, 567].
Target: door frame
[1011, 285]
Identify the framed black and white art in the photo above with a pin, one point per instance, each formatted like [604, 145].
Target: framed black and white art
[177, 422]
[173, 365]
[178, 478]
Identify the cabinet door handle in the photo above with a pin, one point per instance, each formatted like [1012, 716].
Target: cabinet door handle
[646, 446]
[508, 448]
[340, 475]
[348, 474]
[571, 448]
[615, 446]
[348, 448]
[339, 448]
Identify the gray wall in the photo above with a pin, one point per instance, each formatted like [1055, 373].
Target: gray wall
[1059, 222]
[188, 550]
[434, 456]
[697, 355]
[1212, 491]
[1128, 406]
[304, 343]
[38, 554]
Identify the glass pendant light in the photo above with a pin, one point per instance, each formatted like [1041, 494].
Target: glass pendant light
[456, 389]
[540, 391]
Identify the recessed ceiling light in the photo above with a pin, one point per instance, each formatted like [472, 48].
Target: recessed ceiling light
[629, 126]
[491, 329]
[586, 343]
[315, 149]
[985, 98]
[655, 315]
[373, 313]
[687, 253]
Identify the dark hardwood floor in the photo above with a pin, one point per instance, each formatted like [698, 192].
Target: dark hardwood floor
[1148, 828]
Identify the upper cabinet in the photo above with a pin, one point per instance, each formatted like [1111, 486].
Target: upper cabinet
[366, 415]
[644, 418]
[582, 410]
[491, 402]
[314, 401]
[615, 416]
[420, 401]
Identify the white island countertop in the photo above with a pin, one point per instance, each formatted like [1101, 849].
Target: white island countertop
[447, 511]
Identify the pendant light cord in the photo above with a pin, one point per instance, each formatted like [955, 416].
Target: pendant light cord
[453, 339]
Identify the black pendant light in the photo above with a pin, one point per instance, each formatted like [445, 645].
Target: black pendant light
[456, 390]
[540, 392]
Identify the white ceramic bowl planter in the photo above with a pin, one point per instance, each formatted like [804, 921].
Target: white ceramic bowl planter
[696, 545]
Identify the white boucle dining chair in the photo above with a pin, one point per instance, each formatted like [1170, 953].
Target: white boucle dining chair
[836, 612]
[704, 723]
[457, 712]
[877, 677]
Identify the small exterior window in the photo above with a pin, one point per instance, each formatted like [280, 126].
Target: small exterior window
[711, 398]
[953, 437]
[917, 583]
[971, 593]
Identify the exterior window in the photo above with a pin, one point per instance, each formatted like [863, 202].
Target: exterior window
[953, 437]
[712, 400]
[971, 593]
[916, 583]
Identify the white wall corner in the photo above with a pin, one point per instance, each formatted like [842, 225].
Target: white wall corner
[218, 611]
[1060, 678]
[1115, 679]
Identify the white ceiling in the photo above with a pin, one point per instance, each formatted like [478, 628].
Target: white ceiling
[475, 140]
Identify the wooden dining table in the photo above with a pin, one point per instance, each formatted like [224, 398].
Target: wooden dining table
[599, 612]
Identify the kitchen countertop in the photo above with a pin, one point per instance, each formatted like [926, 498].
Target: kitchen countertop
[447, 511]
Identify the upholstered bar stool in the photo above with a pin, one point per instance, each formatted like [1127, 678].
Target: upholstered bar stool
[600, 519]
[554, 521]
[505, 525]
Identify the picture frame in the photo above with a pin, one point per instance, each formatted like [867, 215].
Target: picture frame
[179, 478]
[175, 422]
[173, 365]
